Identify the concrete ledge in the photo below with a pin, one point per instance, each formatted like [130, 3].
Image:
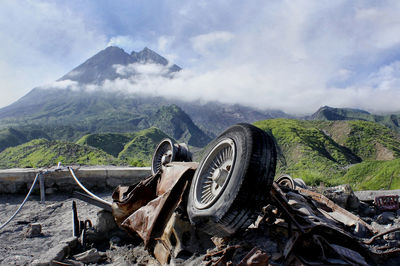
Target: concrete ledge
[93, 177]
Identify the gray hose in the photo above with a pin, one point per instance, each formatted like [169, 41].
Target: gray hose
[22, 204]
[86, 190]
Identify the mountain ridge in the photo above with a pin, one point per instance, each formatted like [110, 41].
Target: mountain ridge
[92, 111]
[327, 113]
[101, 66]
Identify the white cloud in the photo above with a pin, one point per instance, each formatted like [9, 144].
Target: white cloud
[40, 42]
[288, 55]
[147, 70]
[212, 42]
[164, 42]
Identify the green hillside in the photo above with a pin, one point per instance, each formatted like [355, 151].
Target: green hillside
[139, 151]
[373, 175]
[10, 137]
[368, 140]
[112, 143]
[176, 123]
[44, 153]
[69, 115]
[307, 152]
[133, 149]
[322, 151]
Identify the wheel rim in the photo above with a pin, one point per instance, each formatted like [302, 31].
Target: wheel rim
[164, 154]
[286, 180]
[214, 173]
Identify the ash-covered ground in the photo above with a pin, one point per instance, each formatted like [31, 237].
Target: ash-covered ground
[18, 247]
[55, 218]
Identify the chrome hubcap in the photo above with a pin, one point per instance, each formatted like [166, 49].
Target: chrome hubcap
[215, 173]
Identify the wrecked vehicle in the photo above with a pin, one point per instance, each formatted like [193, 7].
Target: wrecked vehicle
[231, 191]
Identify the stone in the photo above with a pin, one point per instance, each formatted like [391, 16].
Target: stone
[72, 242]
[385, 218]
[105, 222]
[57, 253]
[33, 230]
[343, 195]
[89, 256]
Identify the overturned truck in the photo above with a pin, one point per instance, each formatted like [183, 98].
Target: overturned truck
[231, 190]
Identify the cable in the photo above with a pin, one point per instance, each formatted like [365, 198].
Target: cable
[22, 204]
[33, 185]
[86, 190]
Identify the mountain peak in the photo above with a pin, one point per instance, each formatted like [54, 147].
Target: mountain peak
[149, 56]
[101, 66]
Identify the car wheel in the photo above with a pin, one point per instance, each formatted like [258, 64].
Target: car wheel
[232, 181]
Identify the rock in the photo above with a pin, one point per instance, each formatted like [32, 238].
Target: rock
[385, 218]
[398, 212]
[105, 222]
[89, 256]
[57, 253]
[72, 242]
[33, 230]
[343, 195]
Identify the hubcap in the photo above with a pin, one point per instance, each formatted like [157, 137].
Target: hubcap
[215, 173]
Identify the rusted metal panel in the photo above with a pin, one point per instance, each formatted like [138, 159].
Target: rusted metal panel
[171, 173]
[148, 218]
[126, 200]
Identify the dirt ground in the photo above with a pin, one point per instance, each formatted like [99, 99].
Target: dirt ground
[55, 217]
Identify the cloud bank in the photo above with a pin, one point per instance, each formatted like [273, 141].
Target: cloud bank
[290, 55]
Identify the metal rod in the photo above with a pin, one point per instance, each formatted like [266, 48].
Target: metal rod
[42, 188]
[75, 220]
[86, 190]
[91, 200]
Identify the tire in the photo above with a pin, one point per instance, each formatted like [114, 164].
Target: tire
[232, 181]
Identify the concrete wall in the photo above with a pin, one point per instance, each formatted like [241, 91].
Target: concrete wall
[94, 178]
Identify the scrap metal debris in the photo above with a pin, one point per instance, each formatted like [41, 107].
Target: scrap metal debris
[318, 230]
[308, 227]
[390, 202]
[147, 215]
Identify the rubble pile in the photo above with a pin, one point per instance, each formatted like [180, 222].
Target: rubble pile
[300, 226]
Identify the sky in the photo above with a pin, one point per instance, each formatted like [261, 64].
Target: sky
[291, 55]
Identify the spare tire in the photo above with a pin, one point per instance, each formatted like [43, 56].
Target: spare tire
[232, 181]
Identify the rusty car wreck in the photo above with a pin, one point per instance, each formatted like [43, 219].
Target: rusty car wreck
[185, 207]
